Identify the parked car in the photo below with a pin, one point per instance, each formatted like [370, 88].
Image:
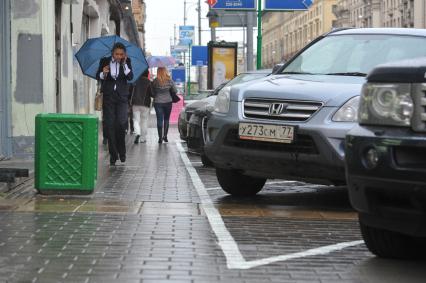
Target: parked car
[187, 111]
[198, 116]
[293, 124]
[386, 160]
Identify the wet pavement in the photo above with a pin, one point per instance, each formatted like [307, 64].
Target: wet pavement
[162, 217]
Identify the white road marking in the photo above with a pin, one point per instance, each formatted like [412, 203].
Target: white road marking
[214, 189]
[234, 258]
[280, 182]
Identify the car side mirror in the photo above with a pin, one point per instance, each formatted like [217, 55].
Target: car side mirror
[277, 67]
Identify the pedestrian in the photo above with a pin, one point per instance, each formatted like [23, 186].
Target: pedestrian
[115, 72]
[141, 105]
[163, 87]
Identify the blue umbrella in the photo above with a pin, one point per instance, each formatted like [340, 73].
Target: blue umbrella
[94, 49]
[161, 61]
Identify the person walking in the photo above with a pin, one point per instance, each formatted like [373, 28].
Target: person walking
[163, 87]
[115, 72]
[141, 104]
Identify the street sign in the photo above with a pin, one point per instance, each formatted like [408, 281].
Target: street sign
[233, 4]
[199, 56]
[288, 5]
[186, 35]
[235, 18]
[178, 75]
[211, 2]
[179, 49]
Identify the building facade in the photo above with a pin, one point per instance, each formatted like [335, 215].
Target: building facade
[39, 73]
[381, 13]
[139, 12]
[285, 33]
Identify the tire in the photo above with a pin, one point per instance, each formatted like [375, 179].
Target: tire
[390, 244]
[237, 184]
[206, 161]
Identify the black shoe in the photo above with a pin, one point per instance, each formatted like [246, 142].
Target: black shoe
[165, 139]
[112, 161]
[137, 139]
[160, 134]
[123, 159]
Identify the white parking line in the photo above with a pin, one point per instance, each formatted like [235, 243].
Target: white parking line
[280, 182]
[234, 258]
[214, 189]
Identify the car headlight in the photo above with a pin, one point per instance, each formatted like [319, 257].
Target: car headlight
[386, 104]
[348, 112]
[223, 100]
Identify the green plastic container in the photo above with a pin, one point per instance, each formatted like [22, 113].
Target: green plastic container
[66, 153]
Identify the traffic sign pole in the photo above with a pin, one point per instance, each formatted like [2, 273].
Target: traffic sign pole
[259, 34]
[189, 72]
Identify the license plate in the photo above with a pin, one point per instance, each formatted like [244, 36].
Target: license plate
[270, 133]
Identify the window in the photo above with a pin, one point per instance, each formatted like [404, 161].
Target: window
[356, 53]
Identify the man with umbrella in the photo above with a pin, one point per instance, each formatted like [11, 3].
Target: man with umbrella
[115, 72]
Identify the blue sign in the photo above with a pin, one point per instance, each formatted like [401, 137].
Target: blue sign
[199, 56]
[186, 35]
[178, 75]
[288, 5]
[235, 4]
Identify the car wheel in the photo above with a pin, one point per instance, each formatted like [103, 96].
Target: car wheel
[390, 244]
[237, 184]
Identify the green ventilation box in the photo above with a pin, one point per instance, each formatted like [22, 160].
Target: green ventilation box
[66, 153]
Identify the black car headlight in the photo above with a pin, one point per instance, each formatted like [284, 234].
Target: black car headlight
[386, 104]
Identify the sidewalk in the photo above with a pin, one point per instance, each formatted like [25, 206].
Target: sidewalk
[143, 221]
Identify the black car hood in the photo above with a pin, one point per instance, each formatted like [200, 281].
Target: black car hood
[202, 103]
[407, 71]
[331, 90]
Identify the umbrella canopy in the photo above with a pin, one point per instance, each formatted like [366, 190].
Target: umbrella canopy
[161, 61]
[94, 49]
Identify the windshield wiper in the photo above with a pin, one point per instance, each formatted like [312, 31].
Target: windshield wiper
[296, 73]
[353, 74]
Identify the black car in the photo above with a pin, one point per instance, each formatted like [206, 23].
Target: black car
[201, 110]
[386, 160]
[189, 109]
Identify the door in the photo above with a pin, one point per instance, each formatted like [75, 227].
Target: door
[5, 144]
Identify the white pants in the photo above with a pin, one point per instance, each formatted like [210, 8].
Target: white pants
[140, 120]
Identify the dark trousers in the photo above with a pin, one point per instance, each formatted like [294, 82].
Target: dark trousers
[115, 111]
[163, 111]
[130, 125]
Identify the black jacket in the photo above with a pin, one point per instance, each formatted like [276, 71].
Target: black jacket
[122, 85]
[142, 92]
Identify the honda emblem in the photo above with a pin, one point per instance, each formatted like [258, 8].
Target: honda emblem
[276, 109]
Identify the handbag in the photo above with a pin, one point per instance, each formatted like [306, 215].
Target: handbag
[99, 98]
[175, 97]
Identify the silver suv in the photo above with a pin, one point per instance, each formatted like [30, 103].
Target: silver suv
[293, 124]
